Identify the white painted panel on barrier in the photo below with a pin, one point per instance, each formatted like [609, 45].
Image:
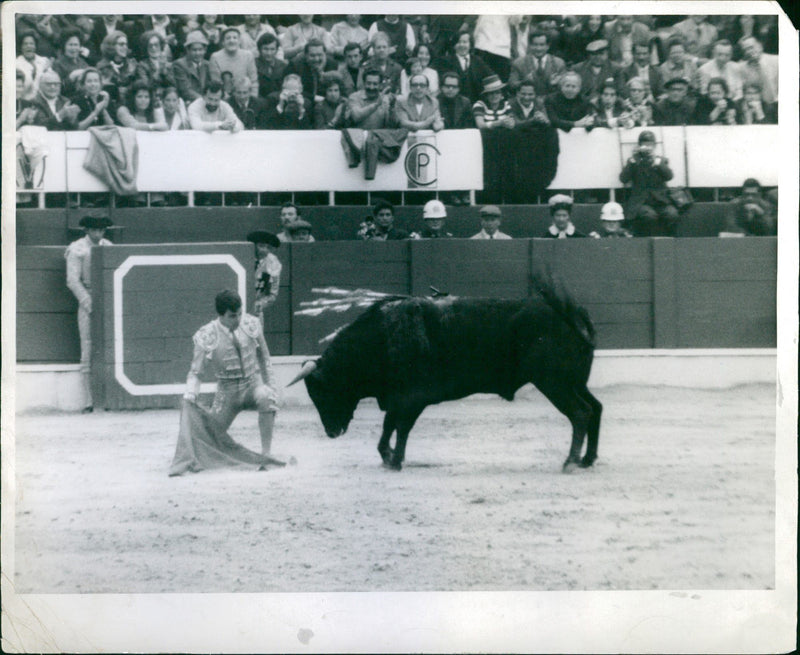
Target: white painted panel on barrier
[314, 160]
[275, 160]
[594, 160]
[718, 159]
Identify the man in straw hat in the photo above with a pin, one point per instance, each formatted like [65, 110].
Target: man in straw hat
[492, 110]
[191, 71]
[79, 267]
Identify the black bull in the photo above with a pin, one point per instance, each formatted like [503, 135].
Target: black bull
[409, 353]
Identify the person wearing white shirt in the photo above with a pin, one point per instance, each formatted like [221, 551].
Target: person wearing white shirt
[721, 66]
[211, 112]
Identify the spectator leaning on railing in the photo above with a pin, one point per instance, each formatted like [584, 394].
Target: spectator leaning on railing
[140, 111]
[418, 111]
[94, 103]
[456, 109]
[677, 108]
[567, 108]
[211, 112]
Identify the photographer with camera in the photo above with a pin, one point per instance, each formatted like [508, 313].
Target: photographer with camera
[751, 214]
[289, 109]
[650, 210]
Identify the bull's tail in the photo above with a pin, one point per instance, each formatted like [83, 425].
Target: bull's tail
[554, 292]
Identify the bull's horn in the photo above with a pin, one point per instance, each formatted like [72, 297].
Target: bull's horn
[307, 369]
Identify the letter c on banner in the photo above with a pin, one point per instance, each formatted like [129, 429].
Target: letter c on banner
[421, 164]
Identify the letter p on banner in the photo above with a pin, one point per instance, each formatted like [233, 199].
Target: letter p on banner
[421, 161]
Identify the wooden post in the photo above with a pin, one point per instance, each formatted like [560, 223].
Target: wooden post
[665, 290]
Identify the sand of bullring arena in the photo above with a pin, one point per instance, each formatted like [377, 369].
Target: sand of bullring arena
[681, 497]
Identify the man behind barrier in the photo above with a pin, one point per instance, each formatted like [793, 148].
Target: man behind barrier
[79, 267]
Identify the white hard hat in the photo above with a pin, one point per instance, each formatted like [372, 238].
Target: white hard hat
[612, 211]
[434, 209]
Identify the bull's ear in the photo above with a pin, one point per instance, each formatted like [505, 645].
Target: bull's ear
[308, 368]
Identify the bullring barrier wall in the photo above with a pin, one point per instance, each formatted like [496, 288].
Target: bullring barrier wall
[641, 293]
[449, 160]
[51, 227]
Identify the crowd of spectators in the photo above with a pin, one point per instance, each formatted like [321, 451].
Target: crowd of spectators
[165, 72]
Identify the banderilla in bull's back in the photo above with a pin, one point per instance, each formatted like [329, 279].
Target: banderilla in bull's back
[411, 352]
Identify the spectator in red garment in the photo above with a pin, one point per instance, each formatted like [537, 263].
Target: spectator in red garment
[54, 111]
[567, 108]
[269, 68]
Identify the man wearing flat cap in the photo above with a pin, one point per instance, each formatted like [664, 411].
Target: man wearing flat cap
[299, 230]
[677, 108]
[191, 71]
[268, 270]
[79, 267]
[595, 70]
[491, 217]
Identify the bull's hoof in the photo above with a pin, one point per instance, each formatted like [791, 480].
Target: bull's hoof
[386, 455]
[392, 464]
[587, 461]
[569, 466]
